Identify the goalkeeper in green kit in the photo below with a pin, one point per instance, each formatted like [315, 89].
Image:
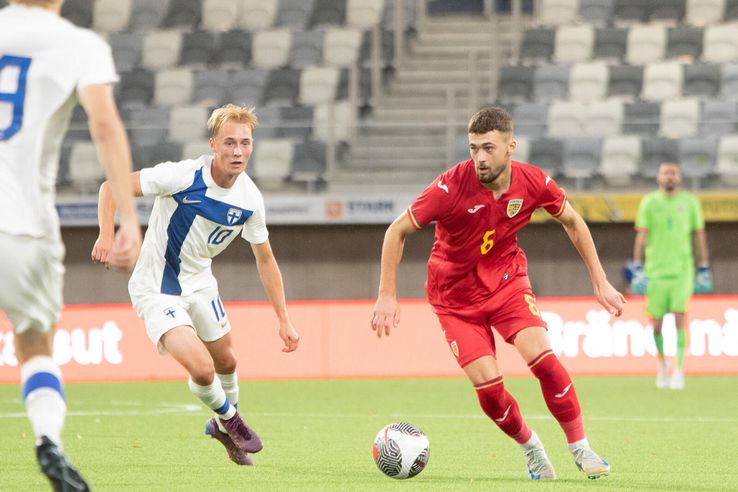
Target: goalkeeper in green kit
[668, 223]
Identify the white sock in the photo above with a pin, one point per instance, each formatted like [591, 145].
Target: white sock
[532, 442]
[43, 397]
[229, 382]
[573, 446]
[213, 397]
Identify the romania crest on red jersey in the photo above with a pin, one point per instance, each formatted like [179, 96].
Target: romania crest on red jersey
[514, 206]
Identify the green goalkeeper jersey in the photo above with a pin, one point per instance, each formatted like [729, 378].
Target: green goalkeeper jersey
[670, 222]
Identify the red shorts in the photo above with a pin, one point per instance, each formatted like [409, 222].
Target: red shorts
[511, 309]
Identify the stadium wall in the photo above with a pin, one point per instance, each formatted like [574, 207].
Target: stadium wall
[109, 342]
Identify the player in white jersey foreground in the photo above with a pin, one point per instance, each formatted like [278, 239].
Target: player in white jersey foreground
[46, 65]
[201, 206]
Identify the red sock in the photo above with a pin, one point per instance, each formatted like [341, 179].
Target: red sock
[558, 391]
[501, 407]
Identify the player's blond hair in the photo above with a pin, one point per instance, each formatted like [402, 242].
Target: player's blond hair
[231, 112]
[489, 120]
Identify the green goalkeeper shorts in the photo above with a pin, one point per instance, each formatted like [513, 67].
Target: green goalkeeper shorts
[668, 295]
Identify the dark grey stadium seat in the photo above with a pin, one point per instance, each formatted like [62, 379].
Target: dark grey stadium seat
[625, 81]
[581, 157]
[596, 12]
[610, 43]
[185, 14]
[654, 151]
[537, 44]
[386, 48]
[548, 154]
[684, 41]
[147, 15]
[550, 82]
[247, 86]
[328, 13]
[197, 49]
[719, 117]
[365, 85]
[631, 11]
[294, 13]
[136, 88]
[296, 122]
[78, 12]
[642, 118]
[667, 10]
[269, 122]
[701, 80]
[148, 155]
[282, 87]
[515, 84]
[697, 156]
[530, 118]
[147, 125]
[309, 162]
[234, 50]
[731, 10]
[306, 48]
[126, 50]
[210, 87]
[729, 81]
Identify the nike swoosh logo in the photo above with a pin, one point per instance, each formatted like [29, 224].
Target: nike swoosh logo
[187, 201]
[504, 415]
[443, 187]
[475, 209]
[563, 393]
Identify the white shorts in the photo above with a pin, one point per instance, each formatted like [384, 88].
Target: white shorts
[31, 281]
[203, 311]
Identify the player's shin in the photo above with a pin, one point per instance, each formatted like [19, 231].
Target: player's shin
[229, 383]
[501, 407]
[559, 394]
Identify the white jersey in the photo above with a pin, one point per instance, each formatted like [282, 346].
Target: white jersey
[44, 59]
[192, 221]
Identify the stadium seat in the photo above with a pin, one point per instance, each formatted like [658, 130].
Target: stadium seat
[727, 159]
[173, 87]
[409, 14]
[537, 45]
[530, 119]
[111, 15]
[701, 80]
[550, 82]
[654, 151]
[164, 152]
[211, 87]
[84, 170]
[196, 148]
[341, 46]
[272, 160]
[328, 13]
[581, 157]
[721, 43]
[719, 117]
[306, 49]
[78, 12]
[515, 84]
[626, 81]
[548, 154]
[309, 162]
[296, 122]
[731, 10]
[198, 49]
[729, 81]
[161, 49]
[596, 12]
[667, 11]
[282, 87]
[573, 43]
[127, 49]
[645, 44]
[364, 14]
[610, 44]
[219, 15]
[565, 119]
[619, 159]
[341, 124]
[704, 12]
[603, 118]
[558, 12]
[271, 48]
[679, 118]
[318, 85]
[183, 14]
[697, 157]
[365, 82]
[136, 88]
[522, 150]
[187, 123]
[147, 15]
[631, 11]
[662, 81]
[254, 15]
[642, 118]
[234, 50]
[588, 81]
[294, 13]
[684, 43]
[386, 48]
[246, 87]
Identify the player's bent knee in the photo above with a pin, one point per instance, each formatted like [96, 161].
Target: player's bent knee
[202, 373]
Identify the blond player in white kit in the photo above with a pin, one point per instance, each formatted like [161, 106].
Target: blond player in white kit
[201, 206]
[46, 65]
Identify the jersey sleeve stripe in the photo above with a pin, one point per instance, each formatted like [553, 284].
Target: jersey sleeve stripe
[414, 221]
[563, 205]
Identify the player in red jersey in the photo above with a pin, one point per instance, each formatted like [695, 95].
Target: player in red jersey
[478, 279]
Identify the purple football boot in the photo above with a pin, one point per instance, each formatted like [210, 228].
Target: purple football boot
[241, 434]
[236, 455]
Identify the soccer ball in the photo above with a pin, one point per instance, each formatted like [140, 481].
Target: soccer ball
[401, 450]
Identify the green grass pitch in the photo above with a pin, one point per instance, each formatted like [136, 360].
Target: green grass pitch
[318, 435]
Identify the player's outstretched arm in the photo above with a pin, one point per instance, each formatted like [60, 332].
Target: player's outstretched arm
[579, 234]
[114, 152]
[386, 314]
[271, 279]
[106, 207]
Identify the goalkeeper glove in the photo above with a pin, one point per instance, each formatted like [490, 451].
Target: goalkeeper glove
[638, 281]
[703, 280]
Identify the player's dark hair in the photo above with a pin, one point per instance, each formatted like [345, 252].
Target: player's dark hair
[489, 120]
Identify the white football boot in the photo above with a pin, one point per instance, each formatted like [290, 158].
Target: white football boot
[677, 380]
[590, 462]
[539, 466]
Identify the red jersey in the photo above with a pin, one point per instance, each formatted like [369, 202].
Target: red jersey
[476, 244]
